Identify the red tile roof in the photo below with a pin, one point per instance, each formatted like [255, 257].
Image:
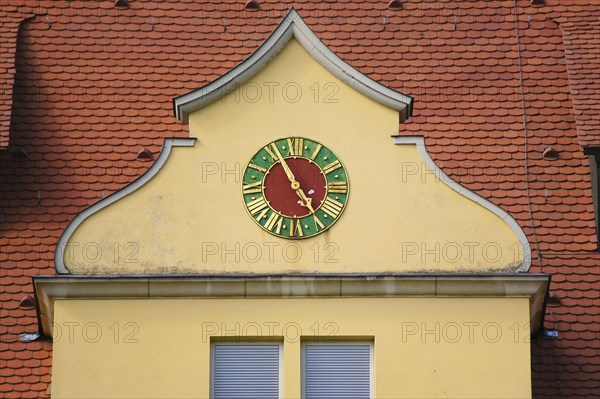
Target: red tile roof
[569, 365]
[94, 85]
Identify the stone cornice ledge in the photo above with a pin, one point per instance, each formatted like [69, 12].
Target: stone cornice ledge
[50, 288]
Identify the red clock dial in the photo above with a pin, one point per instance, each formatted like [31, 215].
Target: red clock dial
[280, 195]
[295, 188]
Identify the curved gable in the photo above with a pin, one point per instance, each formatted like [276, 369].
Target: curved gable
[187, 214]
[292, 27]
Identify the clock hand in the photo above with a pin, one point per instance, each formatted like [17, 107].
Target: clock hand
[295, 185]
[307, 201]
[286, 168]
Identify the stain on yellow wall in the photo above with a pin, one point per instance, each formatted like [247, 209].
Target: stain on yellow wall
[190, 217]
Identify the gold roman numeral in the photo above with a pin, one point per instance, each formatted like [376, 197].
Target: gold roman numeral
[332, 166]
[340, 187]
[254, 166]
[332, 207]
[274, 220]
[318, 223]
[316, 152]
[262, 214]
[296, 146]
[278, 225]
[271, 153]
[296, 228]
[252, 188]
[257, 205]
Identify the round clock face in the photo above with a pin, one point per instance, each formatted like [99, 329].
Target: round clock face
[295, 188]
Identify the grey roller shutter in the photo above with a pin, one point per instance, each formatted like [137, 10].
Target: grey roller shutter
[245, 371]
[337, 371]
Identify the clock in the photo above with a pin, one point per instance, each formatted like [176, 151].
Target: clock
[295, 188]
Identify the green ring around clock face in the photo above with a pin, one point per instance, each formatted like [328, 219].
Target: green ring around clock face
[300, 197]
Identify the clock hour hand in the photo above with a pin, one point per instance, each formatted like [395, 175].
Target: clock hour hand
[306, 202]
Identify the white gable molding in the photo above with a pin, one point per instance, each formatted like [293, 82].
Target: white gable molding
[508, 219]
[292, 26]
[59, 254]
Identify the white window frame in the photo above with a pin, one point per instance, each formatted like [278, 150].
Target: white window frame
[248, 342]
[371, 345]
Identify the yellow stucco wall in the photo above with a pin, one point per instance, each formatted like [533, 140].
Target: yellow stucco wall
[190, 218]
[423, 347]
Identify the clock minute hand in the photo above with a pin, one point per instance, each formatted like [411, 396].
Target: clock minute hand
[286, 168]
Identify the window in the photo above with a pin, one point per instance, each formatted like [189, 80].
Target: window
[337, 370]
[594, 157]
[245, 370]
